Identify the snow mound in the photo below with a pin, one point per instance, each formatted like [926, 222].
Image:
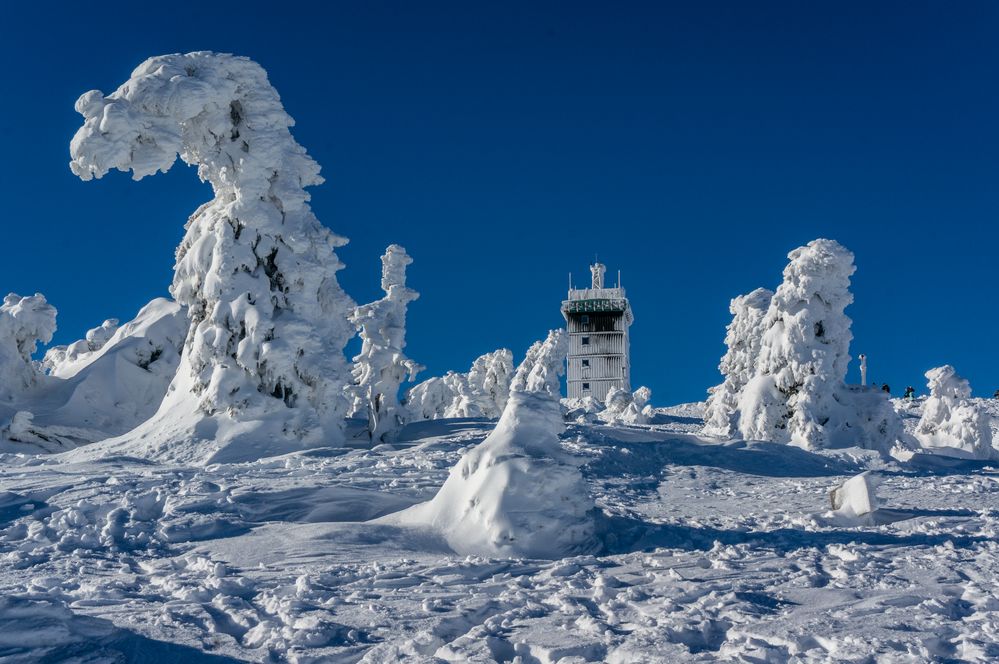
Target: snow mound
[624, 407]
[517, 494]
[952, 424]
[855, 497]
[93, 395]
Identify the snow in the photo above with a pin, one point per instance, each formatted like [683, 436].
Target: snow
[516, 493]
[951, 424]
[89, 396]
[855, 497]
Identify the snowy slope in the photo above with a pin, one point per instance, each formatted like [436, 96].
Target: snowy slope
[106, 392]
[712, 551]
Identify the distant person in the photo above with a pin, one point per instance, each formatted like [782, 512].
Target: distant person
[910, 393]
[996, 395]
[885, 388]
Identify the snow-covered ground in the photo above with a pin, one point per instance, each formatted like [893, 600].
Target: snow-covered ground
[711, 550]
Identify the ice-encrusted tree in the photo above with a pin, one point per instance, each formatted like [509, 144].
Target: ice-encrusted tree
[256, 269]
[489, 380]
[382, 366]
[24, 321]
[517, 493]
[804, 350]
[743, 338]
[951, 424]
[482, 392]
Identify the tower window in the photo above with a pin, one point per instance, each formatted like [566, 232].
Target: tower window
[586, 363]
[586, 386]
[585, 341]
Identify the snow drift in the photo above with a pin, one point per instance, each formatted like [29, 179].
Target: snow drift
[517, 494]
[90, 395]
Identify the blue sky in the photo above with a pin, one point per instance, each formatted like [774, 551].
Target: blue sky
[691, 145]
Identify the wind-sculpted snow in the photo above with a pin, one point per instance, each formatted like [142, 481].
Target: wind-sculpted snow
[256, 269]
[382, 366]
[64, 361]
[951, 424]
[517, 493]
[89, 396]
[482, 392]
[24, 321]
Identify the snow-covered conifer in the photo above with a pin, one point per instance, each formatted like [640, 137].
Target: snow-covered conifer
[382, 366]
[517, 493]
[256, 269]
[482, 392]
[24, 321]
[951, 424]
[804, 350]
[489, 380]
[738, 365]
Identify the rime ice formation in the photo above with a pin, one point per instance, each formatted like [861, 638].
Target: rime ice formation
[743, 337]
[951, 424]
[256, 269]
[625, 407]
[804, 351]
[489, 381]
[517, 493]
[785, 370]
[24, 321]
[482, 392]
[382, 366]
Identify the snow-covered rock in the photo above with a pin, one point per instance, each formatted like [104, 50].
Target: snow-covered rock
[951, 424]
[382, 366]
[256, 269]
[743, 337]
[517, 493]
[624, 407]
[24, 321]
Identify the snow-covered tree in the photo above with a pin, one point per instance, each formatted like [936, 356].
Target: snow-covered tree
[95, 339]
[482, 392]
[489, 381]
[738, 365]
[622, 406]
[24, 321]
[804, 350]
[951, 424]
[517, 493]
[382, 366]
[256, 269]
